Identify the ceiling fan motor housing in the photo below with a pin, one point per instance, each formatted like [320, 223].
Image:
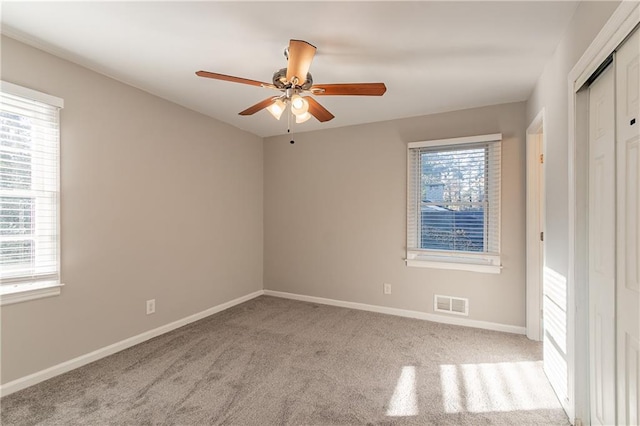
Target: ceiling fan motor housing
[280, 80]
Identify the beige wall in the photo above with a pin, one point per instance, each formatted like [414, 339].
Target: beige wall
[157, 202]
[335, 215]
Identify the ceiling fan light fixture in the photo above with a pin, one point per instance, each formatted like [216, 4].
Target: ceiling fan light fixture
[299, 105]
[294, 80]
[301, 118]
[277, 108]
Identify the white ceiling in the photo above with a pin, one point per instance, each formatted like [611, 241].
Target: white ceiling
[433, 56]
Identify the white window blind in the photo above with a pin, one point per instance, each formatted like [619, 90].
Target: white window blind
[29, 188]
[453, 212]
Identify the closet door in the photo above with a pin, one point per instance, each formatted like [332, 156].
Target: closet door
[628, 236]
[602, 235]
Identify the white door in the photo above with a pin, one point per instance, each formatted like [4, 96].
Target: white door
[628, 237]
[535, 226]
[602, 262]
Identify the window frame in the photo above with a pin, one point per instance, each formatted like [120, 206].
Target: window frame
[487, 262]
[16, 289]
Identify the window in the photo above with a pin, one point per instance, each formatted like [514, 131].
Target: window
[453, 209]
[29, 159]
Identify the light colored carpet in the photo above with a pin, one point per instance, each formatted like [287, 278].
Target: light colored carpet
[274, 361]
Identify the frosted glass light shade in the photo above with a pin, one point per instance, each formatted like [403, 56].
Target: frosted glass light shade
[277, 108]
[301, 118]
[299, 105]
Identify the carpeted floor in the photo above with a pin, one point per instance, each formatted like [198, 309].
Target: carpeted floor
[274, 361]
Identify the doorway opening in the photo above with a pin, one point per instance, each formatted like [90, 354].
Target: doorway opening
[535, 226]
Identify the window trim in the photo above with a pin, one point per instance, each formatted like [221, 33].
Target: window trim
[32, 290]
[440, 259]
[21, 291]
[25, 92]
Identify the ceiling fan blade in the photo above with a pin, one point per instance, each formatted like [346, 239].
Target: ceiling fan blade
[231, 78]
[318, 111]
[301, 54]
[352, 89]
[257, 107]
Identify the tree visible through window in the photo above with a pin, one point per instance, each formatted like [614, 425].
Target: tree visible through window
[453, 199]
[16, 213]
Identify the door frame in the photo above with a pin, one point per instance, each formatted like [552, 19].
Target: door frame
[623, 20]
[535, 225]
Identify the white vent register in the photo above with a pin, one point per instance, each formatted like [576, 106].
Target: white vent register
[451, 305]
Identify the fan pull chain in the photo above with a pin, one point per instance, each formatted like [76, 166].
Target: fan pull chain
[289, 127]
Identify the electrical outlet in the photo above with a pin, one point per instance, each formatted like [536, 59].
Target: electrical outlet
[151, 306]
[387, 288]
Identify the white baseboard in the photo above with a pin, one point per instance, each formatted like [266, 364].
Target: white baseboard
[402, 312]
[40, 376]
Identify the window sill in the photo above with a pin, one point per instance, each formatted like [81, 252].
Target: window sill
[456, 264]
[16, 293]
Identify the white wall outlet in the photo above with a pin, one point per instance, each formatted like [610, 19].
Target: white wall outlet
[151, 306]
[387, 288]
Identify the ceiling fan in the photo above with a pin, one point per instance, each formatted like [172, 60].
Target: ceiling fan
[295, 81]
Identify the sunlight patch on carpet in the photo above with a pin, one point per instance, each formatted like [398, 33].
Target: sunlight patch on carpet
[495, 387]
[404, 401]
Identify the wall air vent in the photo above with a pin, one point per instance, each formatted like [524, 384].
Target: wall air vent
[451, 305]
